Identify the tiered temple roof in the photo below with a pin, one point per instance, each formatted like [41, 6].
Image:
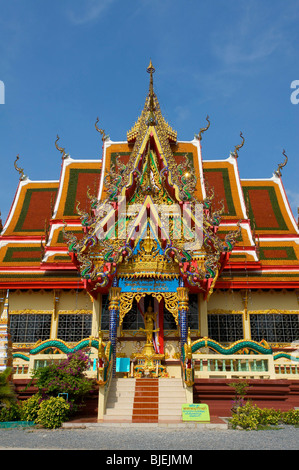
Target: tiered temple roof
[33, 249]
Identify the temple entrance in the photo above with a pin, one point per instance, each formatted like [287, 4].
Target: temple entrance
[148, 362]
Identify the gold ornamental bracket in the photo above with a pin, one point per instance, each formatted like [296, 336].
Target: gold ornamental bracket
[126, 300]
[114, 297]
[183, 298]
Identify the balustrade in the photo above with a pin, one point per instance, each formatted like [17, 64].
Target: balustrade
[241, 365]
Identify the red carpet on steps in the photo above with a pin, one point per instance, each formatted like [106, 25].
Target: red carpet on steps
[146, 401]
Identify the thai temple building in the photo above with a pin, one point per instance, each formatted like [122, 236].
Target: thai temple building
[159, 262]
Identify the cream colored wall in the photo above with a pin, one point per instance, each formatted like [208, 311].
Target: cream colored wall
[31, 300]
[225, 301]
[233, 301]
[273, 300]
[74, 301]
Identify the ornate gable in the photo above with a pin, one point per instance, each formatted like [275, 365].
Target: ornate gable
[151, 204]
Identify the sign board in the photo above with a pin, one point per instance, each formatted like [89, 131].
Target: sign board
[148, 285]
[195, 412]
[122, 364]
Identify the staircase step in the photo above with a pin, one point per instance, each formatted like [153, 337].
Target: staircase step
[118, 412]
[145, 400]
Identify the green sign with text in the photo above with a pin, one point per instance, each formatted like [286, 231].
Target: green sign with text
[195, 412]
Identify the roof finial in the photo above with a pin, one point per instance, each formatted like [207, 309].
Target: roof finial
[281, 165]
[19, 170]
[237, 147]
[204, 129]
[61, 149]
[151, 71]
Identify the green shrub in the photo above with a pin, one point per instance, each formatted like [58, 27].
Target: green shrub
[269, 416]
[12, 412]
[246, 417]
[52, 412]
[30, 408]
[290, 417]
[240, 387]
[252, 417]
[7, 394]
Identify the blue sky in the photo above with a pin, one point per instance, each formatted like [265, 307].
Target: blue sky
[63, 63]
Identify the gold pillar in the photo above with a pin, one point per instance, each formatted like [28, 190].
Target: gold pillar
[96, 315]
[246, 320]
[54, 322]
[203, 316]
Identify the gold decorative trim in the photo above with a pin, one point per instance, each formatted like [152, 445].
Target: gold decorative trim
[126, 301]
[219, 311]
[74, 312]
[30, 311]
[275, 311]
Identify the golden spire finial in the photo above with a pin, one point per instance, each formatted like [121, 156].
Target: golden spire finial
[151, 71]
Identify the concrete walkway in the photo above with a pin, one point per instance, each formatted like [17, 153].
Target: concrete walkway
[214, 423]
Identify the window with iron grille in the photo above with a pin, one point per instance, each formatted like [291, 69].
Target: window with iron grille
[29, 328]
[105, 313]
[193, 312]
[74, 327]
[133, 320]
[169, 321]
[225, 328]
[282, 328]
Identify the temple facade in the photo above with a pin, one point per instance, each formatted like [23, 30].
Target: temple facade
[151, 250]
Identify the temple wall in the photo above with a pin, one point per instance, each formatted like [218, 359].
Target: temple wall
[34, 301]
[225, 301]
[74, 301]
[273, 300]
[260, 300]
[44, 300]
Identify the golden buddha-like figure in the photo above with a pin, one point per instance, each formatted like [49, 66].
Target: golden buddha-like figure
[149, 362]
[149, 323]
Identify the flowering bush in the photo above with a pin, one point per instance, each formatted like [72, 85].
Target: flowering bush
[30, 408]
[240, 388]
[251, 417]
[52, 412]
[66, 377]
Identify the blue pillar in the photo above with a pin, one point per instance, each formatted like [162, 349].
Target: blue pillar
[183, 299]
[113, 319]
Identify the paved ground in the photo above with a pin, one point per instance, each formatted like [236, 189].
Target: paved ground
[130, 438]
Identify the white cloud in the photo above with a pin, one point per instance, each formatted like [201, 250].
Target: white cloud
[293, 198]
[91, 11]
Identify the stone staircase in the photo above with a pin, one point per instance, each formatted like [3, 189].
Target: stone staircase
[172, 396]
[120, 401]
[145, 400]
